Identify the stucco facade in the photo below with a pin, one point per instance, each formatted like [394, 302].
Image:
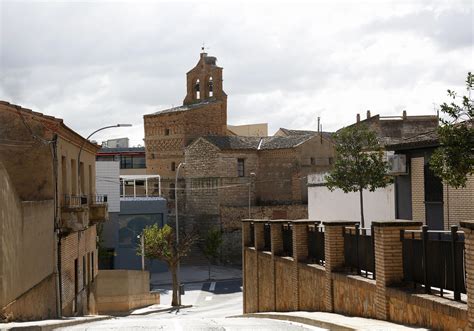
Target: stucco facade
[51, 210]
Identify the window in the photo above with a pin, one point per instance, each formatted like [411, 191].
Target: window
[172, 191]
[433, 186]
[132, 162]
[211, 87]
[167, 132]
[173, 166]
[240, 167]
[313, 161]
[197, 89]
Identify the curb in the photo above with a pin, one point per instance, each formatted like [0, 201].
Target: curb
[52, 326]
[298, 319]
[198, 281]
[162, 310]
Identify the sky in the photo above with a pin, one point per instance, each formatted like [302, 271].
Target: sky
[97, 63]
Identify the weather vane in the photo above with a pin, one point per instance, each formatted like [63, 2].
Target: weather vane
[204, 47]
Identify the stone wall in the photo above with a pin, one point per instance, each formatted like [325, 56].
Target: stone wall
[354, 296]
[312, 284]
[329, 288]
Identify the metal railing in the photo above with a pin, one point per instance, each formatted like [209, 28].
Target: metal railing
[435, 259]
[252, 235]
[316, 244]
[359, 250]
[97, 199]
[287, 234]
[267, 246]
[74, 200]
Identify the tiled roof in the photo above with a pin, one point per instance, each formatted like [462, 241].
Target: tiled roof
[257, 143]
[291, 132]
[423, 139]
[185, 107]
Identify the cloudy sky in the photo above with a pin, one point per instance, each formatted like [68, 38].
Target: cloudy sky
[95, 63]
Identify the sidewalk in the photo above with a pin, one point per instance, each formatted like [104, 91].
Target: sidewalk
[47, 325]
[332, 321]
[192, 274]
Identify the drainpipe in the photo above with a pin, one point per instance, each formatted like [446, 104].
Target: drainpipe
[57, 237]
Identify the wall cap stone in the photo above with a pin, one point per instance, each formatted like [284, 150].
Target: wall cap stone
[467, 224]
[339, 223]
[396, 223]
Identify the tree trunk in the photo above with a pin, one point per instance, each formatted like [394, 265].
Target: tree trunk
[174, 276]
[362, 223]
[209, 266]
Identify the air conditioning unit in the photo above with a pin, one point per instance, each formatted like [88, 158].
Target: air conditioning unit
[397, 164]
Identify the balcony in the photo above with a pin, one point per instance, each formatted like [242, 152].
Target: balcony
[98, 209]
[74, 213]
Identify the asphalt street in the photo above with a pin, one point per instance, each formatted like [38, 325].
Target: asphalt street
[213, 304]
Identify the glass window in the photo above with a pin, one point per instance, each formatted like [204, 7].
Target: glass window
[240, 167]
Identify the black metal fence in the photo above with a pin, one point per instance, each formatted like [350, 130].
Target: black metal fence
[435, 259]
[316, 244]
[287, 233]
[267, 238]
[252, 235]
[359, 251]
[74, 200]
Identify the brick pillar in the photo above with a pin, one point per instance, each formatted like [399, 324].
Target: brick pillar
[300, 254]
[468, 228]
[388, 260]
[334, 255]
[276, 236]
[245, 241]
[259, 236]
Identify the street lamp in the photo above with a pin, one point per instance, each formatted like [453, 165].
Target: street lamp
[182, 164]
[252, 174]
[82, 146]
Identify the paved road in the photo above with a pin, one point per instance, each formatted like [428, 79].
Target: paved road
[212, 303]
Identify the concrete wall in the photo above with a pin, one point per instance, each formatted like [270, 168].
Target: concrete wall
[27, 250]
[325, 205]
[123, 290]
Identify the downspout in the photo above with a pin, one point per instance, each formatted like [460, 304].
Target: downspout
[57, 267]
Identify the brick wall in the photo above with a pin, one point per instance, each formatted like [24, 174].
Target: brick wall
[458, 204]
[418, 189]
[77, 246]
[277, 287]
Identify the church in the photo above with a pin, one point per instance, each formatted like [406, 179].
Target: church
[228, 177]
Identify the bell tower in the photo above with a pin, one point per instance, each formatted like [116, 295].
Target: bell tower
[204, 81]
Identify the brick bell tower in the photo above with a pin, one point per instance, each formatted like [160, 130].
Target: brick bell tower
[204, 81]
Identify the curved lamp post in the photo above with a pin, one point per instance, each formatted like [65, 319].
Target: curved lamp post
[82, 146]
[182, 164]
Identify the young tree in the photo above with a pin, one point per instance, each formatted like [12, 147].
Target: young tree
[212, 243]
[359, 163]
[453, 161]
[160, 243]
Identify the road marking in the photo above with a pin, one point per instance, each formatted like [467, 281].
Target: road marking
[209, 298]
[212, 287]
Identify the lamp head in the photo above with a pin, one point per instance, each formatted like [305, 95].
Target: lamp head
[123, 125]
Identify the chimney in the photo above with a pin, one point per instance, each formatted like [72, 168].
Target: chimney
[404, 114]
[358, 118]
[368, 113]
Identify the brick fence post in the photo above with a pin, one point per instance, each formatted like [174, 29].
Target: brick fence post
[300, 254]
[388, 259]
[333, 255]
[245, 241]
[468, 228]
[259, 234]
